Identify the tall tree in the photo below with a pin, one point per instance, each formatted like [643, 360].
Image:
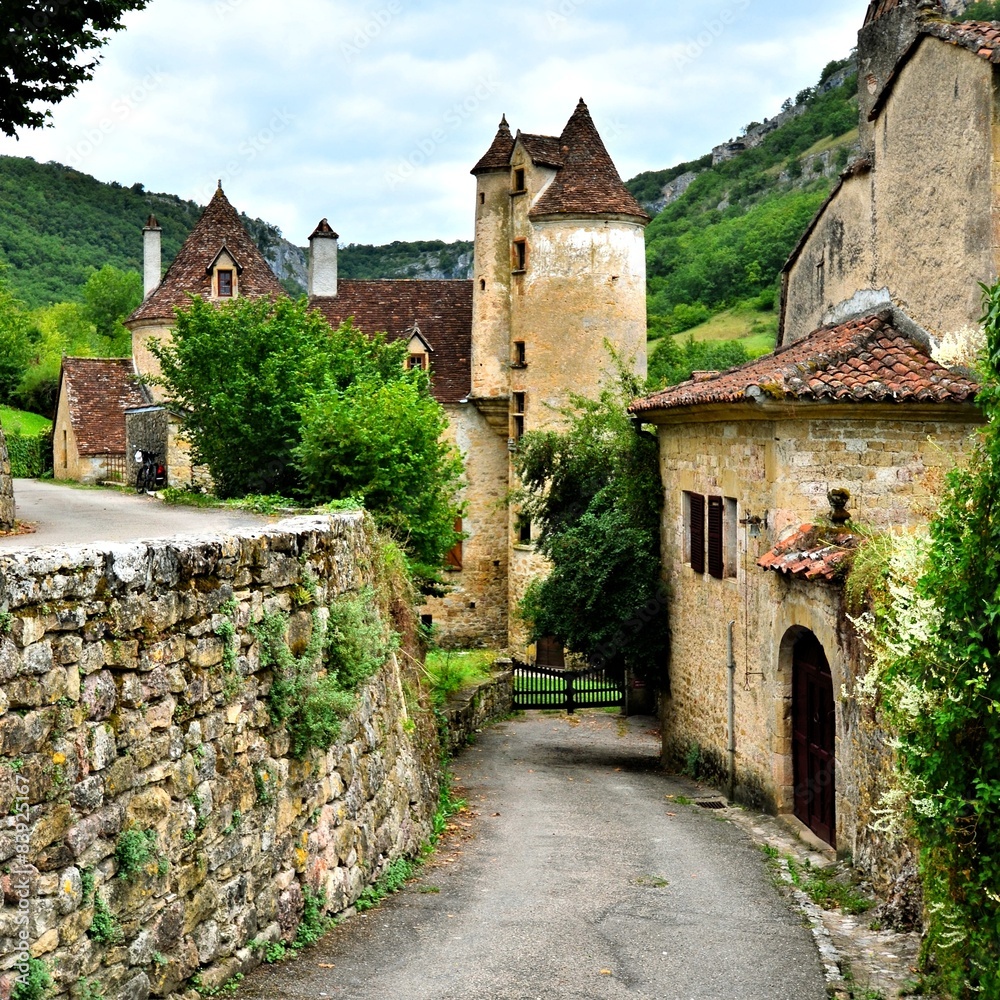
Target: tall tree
[41, 45]
[592, 491]
[109, 296]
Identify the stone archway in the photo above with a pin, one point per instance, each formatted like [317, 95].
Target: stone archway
[813, 736]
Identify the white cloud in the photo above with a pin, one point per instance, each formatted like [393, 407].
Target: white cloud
[372, 112]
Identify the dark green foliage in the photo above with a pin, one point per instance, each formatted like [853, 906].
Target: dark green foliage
[647, 187]
[404, 260]
[700, 253]
[109, 297]
[314, 923]
[593, 493]
[48, 50]
[944, 699]
[982, 11]
[671, 363]
[17, 334]
[274, 401]
[134, 850]
[35, 984]
[103, 929]
[30, 457]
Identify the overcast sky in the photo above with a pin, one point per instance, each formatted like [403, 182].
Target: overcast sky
[372, 112]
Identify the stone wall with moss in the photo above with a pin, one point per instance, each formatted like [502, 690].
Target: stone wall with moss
[157, 827]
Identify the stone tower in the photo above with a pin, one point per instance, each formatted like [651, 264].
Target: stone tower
[560, 270]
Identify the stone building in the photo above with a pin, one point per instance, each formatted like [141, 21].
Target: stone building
[88, 438]
[913, 222]
[748, 460]
[559, 272]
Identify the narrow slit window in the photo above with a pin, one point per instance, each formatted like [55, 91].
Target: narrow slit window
[730, 520]
[519, 354]
[520, 254]
[482, 284]
[524, 530]
[519, 179]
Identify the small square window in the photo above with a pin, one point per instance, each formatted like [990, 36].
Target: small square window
[225, 278]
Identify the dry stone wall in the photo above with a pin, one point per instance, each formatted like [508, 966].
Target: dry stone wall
[122, 711]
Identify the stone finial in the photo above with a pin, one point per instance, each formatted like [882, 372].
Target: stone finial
[839, 499]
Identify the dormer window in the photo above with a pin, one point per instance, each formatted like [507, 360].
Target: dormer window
[225, 279]
[416, 361]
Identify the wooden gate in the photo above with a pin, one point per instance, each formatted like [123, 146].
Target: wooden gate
[814, 739]
[545, 687]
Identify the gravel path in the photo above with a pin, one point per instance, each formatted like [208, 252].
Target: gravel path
[66, 515]
[574, 874]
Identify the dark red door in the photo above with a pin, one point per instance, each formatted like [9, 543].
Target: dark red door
[814, 739]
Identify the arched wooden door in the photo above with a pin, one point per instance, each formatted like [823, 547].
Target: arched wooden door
[814, 738]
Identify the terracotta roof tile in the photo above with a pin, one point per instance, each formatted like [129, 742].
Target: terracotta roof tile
[99, 391]
[218, 227]
[830, 365]
[812, 552]
[545, 150]
[981, 37]
[587, 182]
[442, 310]
[497, 157]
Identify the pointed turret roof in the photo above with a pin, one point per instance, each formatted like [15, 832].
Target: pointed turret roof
[588, 182]
[497, 157]
[191, 271]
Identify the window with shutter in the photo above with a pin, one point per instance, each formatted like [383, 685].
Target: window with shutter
[453, 560]
[716, 565]
[696, 531]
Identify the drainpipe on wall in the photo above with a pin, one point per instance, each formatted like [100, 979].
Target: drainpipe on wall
[731, 695]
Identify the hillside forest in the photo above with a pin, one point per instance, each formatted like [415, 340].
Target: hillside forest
[70, 250]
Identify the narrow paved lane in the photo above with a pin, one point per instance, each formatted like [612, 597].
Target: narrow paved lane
[67, 515]
[573, 876]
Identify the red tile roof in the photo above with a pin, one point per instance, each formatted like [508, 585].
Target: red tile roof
[545, 150]
[865, 360]
[441, 310]
[99, 391]
[497, 157]
[587, 182]
[813, 552]
[218, 227]
[981, 37]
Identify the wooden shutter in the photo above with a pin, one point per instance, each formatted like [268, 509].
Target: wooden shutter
[453, 560]
[697, 538]
[716, 565]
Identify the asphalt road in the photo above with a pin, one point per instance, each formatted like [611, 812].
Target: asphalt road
[573, 875]
[65, 515]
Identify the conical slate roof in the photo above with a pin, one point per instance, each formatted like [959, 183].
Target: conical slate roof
[497, 157]
[588, 182]
[190, 273]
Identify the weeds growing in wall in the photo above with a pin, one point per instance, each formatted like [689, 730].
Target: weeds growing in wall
[933, 632]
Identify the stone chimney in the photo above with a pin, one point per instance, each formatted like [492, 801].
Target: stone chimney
[890, 29]
[323, 262]
[151, 261]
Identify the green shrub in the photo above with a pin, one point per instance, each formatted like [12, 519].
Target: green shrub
[35, 984]
[30, 457]
[450, 671]
[103, 927]
[134, 850]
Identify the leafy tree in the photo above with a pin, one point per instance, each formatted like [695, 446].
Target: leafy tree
[672, 363]
[274, 401]
[934, 633]
[593, 493]
[380, 441]
[110, 296]
[982, 11]
[41, 45]
[16, 331]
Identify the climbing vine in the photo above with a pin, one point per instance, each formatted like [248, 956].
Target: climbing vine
[933, 630]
